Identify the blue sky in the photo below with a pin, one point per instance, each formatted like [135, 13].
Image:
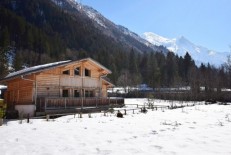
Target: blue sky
[204, 22]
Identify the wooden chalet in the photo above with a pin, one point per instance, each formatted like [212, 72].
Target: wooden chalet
[65, 86]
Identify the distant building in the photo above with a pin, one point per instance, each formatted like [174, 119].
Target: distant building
[59, 86]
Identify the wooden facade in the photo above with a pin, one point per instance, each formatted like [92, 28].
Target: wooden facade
[59, 85]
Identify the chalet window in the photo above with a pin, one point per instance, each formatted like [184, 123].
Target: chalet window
[77, 71]
[89, 93]
[76, 93]
[66, 72]
[87, 72]
[65, 93]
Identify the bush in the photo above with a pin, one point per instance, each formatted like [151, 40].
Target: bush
[12, 114]
[111, 110]
[119, 114]
[210, 101]
[144, 110]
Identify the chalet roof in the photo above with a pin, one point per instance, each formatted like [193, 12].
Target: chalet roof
[48, 66]
[35, 69]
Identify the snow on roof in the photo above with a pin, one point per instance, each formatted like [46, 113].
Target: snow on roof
[35, 68]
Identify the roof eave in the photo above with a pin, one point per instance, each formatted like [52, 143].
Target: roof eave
[108, 71]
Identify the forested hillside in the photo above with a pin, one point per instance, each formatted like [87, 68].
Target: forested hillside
[34, 32]
[42, 29]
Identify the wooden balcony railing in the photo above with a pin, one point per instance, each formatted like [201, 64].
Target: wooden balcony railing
[80, 82]
[49, 103]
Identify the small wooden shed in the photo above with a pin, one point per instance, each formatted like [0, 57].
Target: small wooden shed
[64, 85]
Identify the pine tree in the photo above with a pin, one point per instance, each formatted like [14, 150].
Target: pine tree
[228, 70]
[4, 44]
[153, 72]
[161, 63]
[188, 64]
[18, 61]
[133, 68]
[3, 63]
[171, 69]
[5, 38]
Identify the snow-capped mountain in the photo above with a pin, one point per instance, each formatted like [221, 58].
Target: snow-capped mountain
[181, 45]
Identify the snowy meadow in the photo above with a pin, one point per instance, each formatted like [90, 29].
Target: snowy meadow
[200, 129]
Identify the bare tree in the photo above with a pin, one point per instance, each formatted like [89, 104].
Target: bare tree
[124, 80]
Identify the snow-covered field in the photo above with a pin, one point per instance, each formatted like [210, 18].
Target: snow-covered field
[200, 129]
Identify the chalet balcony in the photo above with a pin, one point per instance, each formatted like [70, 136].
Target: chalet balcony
[86, 82]
[67, 104]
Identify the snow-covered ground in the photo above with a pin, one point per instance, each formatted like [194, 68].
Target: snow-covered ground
[200, 129]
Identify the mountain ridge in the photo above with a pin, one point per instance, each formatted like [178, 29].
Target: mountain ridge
[181, 45]
[118, 32]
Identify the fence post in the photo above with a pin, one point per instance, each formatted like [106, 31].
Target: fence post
[1, 121]
[125, 112]
[65, 103]
[96, 105]
[45, 108]
[20, 117]
[28, 118]
[38, 108]
[80, 115]
[47, 117]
